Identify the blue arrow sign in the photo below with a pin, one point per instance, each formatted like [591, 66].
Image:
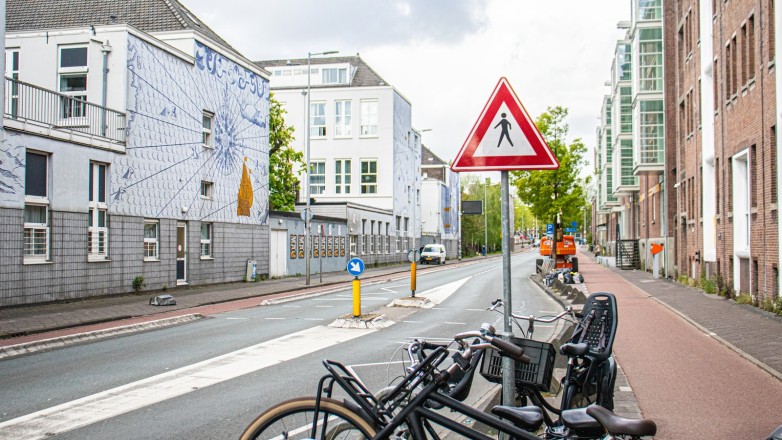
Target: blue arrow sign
[574, 224]
[355, 266]
[550, 228]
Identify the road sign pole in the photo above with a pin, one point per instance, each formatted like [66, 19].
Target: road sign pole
[508, 367]
[356, 297]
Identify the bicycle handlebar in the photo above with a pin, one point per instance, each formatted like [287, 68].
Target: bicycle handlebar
[498, 303]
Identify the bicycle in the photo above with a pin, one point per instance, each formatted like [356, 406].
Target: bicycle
[591, 370]
[409, 410]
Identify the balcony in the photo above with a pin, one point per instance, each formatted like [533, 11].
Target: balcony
[36, 110]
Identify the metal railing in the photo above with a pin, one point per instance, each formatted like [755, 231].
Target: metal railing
[28, 102]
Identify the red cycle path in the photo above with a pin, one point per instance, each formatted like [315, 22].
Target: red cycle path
[689, 383]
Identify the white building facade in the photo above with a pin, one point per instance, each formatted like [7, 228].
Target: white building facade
[128, 155]
[363, 149]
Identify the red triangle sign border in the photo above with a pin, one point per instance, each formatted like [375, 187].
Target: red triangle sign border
[543, 159]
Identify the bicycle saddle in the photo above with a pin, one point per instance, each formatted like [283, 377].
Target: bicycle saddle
[579, 420]
[574, 350]
[529, 418]
[621, 426]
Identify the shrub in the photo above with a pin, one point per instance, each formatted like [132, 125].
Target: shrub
[138, 284]
[744, 298]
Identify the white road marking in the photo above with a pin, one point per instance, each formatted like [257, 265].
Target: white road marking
[292, 307]
[441, 293]
[276, 319]
[476, 310]
[111, 403]
[455, 323]
[236, 319]
[313, 319]
[413, 322]
[324, 307]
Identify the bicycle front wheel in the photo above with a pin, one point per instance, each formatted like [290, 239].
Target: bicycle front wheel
[295, 419]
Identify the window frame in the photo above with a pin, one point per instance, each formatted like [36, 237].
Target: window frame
[343, 176]
[73, 104]
[368, 187]
[207, 139]
[343, 118]
[12, 62]
[207, 190]
[34, 229]
[320, 186]
[318, 131]
[208, 242]
[152, 242]
[98, 236]
[369, 119]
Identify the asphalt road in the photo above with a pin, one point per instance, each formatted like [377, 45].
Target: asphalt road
[210, 378]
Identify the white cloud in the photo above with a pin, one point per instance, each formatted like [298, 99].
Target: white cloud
[446, 56]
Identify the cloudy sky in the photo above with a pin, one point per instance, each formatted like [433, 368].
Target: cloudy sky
[445, 56]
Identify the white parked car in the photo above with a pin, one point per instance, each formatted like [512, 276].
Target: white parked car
[433, 253]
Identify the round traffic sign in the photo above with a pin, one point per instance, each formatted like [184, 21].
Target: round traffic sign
[356, 266]
[413, 256]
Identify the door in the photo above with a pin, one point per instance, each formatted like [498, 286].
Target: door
[181, 253]
[278, 253]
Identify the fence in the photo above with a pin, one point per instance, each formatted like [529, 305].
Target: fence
[28, 102]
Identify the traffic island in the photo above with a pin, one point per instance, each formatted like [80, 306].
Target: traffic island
[420, 302]
[366, 321]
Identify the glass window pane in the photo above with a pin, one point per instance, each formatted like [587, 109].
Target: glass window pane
[73, 83]
[35, 175]
[102, 183]
[101, 219]
[73, 57]
[150, 230]
[206, 231]
[35, 214]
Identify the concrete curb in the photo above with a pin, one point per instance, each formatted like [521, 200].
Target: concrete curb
[59, 342]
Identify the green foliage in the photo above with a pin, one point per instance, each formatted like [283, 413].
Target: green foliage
[138, 284]
[773, 306]
[744, 298]
[709, 285]
[549, 192]
[473, 230]
[283, 160]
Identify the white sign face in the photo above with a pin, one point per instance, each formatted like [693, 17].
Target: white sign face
[504, 138]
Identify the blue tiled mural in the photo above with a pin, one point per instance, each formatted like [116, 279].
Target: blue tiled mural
[166, 161]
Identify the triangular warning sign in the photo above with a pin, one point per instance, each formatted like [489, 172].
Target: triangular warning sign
[504, 138]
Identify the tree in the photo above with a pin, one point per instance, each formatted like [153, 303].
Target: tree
[548, 192]
[474, 232]
[283, 160]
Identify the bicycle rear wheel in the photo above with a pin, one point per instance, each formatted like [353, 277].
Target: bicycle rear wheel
[295, 419]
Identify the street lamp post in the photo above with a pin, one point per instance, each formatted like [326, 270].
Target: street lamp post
[307, 134]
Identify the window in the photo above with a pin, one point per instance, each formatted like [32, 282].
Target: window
[342, 177]
[12, 71]
[716, 85]
[369, 118]
[97, 227]
[342, 118]
[650, 60]
[73, 81]
[650, 10]
[206, 240]
[771, 31]
[753, 175]
[207, 119]
[151, 228]
[317, 177]
[744, 54]
[751, 47]
[368, 177]
[334, 75]
[773, 163]
[318, 119]
[206, 189]
[36, 208]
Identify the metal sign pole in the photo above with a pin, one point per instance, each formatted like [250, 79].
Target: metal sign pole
[508, 366]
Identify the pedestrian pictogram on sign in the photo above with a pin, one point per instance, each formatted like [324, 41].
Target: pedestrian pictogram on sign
[504, 138]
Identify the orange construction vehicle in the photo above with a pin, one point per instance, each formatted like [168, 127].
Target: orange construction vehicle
[566, 252]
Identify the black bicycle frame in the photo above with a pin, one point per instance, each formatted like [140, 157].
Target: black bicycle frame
[416, 414]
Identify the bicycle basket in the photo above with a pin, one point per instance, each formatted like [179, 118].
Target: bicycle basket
[536, 373]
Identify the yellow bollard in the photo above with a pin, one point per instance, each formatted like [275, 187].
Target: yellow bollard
[356, 297]
[412, 279]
